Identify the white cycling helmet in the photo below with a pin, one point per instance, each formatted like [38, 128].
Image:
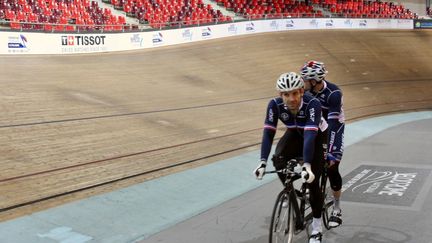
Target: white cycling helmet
[289, 81]
[314, 70]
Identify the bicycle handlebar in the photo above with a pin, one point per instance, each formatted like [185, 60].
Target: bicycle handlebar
[284, 171]
[289, 168]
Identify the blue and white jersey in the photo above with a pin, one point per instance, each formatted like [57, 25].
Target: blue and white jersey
[331, 99]
[307, 122]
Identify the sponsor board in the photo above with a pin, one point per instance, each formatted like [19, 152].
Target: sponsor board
[65, 43]
[422, 23]
[329, 23]
[18, 44]
[157, 39]
[289, 24]
[274, 25]
[232, 29]
[314, 23]
[384, 23]
[397, 186]
[136, 40]
[83, 43]
[82, 40]
[187, 35]
[206, 33]
[250, 27]
[348, 23]
[363, 23]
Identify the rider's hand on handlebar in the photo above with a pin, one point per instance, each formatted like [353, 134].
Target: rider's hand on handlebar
[259, 171]
[307, 175]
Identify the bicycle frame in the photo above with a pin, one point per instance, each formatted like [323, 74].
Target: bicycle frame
[297, 197]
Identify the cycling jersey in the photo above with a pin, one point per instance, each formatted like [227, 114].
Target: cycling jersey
[332, 107]
[306, 122]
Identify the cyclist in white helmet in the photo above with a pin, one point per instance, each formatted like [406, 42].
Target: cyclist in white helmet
[330, 96]
[305, 137]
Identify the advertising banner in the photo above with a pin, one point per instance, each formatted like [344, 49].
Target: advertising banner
[423, 23]
[71, 43]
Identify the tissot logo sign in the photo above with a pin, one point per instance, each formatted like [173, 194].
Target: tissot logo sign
[82, 40]
[397, 186]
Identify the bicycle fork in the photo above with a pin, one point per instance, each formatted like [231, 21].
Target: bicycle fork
[299, 217]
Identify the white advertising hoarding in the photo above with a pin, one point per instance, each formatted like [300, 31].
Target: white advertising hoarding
[71, 43]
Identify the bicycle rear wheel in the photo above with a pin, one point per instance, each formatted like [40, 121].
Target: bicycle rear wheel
[282, 224]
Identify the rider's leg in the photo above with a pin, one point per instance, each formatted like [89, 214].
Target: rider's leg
[335, 183]
[314, 187]
[315, 192]
[289, 147]
[316, 197]
[336, 149]
[336, 200]
[316, 202]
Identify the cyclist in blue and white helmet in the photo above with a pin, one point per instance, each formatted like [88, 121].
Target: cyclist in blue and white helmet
[289, 81]
[286, 83]
[306, 137]
[331, 98]
[313, 70]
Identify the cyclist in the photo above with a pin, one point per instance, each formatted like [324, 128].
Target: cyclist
[330, 96]
[305, 137]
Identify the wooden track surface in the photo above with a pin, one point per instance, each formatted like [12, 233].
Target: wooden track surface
[75, 126]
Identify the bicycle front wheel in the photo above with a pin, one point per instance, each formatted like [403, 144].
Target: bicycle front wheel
[282, 222]
[327, 203]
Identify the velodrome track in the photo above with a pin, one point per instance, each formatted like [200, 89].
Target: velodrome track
[387, 182]
[382, 153]
[82, 125]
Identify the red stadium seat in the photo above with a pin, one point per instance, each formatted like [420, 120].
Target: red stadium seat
[185, 12]
[9, 14]
[15, 25]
